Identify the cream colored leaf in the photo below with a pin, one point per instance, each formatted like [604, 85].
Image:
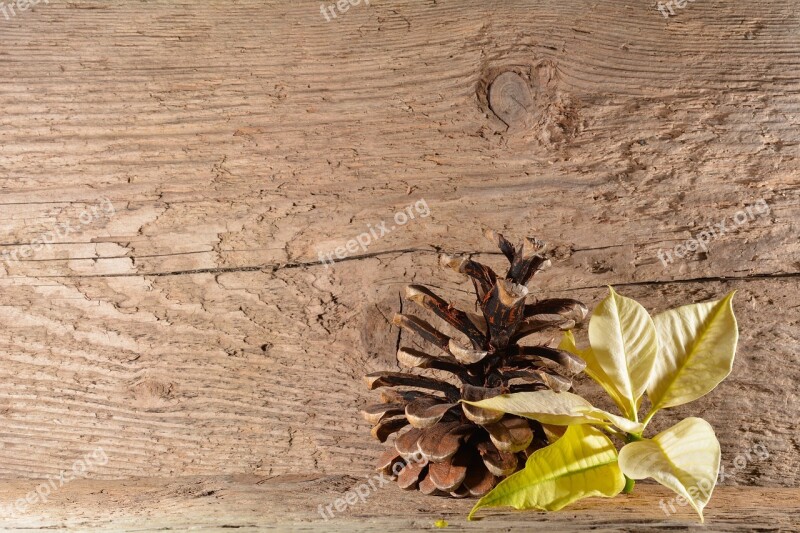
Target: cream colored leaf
[581, 464]
[697, 344]
[684, 458]
[595, 371]
[556, 408]
[623, 340]
[626, 425]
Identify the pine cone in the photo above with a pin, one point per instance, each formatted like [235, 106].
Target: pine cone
[454, 448]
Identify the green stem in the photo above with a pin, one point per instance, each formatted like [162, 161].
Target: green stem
[632, 437]
[649, 416]
[613, 432]
[629, 483]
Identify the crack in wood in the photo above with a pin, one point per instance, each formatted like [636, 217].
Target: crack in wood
[399, 329]
[308, 264]
[717, 279]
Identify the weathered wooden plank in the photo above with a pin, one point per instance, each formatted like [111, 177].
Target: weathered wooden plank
[292, 503]
[243, 139]
[263, 372]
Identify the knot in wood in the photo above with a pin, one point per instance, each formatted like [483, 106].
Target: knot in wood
[510, 99]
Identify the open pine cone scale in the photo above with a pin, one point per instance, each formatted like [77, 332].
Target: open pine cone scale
[447, 447]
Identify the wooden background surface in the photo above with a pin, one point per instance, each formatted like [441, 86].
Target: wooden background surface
[193, 332]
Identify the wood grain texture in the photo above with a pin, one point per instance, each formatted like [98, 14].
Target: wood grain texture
[291, 503]
[194, 332]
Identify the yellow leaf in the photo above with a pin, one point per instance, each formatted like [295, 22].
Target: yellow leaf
[697, 344]
[556, 408]
[568, 344]
[581, 464]
[594, 370]
[626, 425]
[684, 458]
[624, 344]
